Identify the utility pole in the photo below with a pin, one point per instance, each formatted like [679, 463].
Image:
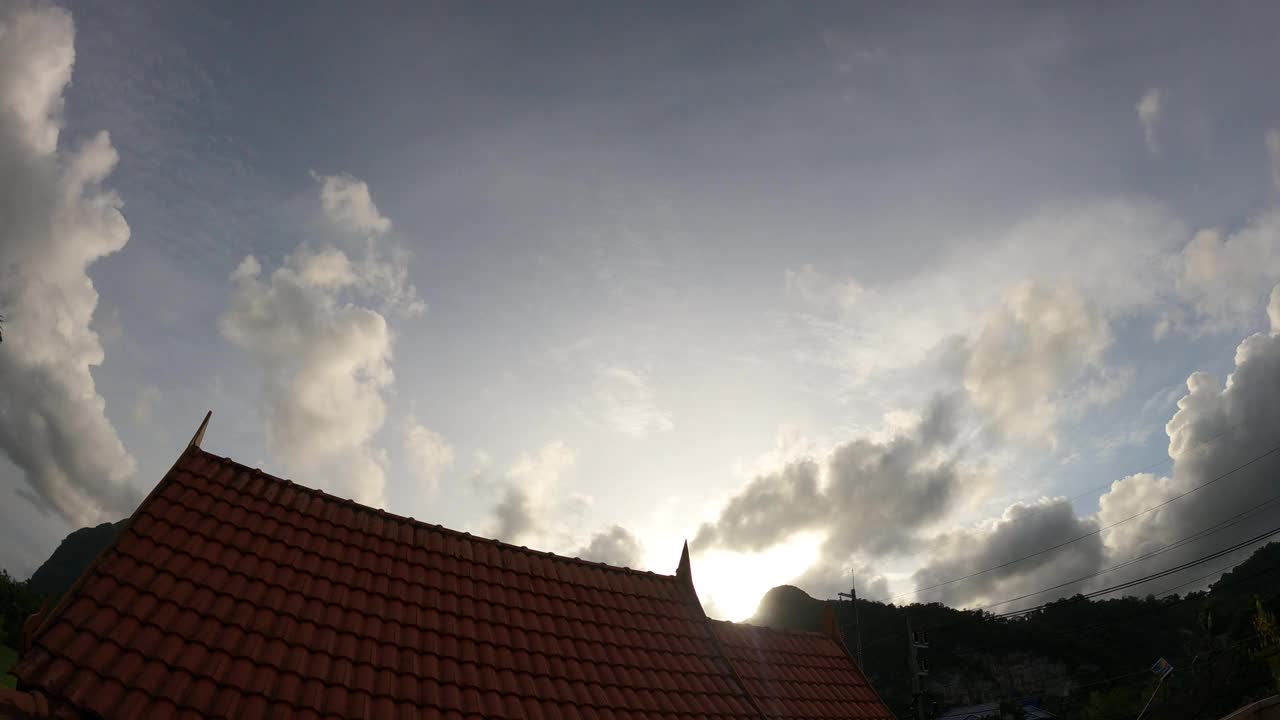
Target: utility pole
[857, 628]
[919, 668]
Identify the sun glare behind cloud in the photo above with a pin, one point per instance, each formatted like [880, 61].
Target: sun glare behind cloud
[731, 584]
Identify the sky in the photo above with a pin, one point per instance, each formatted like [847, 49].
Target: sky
[894, 290]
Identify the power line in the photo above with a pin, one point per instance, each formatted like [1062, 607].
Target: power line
[1034, 510]
[1159, 551]
[1163, 593]
[1130, 583]
[1090, 534]
[1183, 599]
[1144, 611]
[1076, 688]
[1153, 576]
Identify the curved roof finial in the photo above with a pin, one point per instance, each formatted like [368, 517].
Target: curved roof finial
[199, 436]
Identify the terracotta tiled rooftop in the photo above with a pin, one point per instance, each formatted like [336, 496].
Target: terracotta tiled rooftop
[797, 675]
[233, 593]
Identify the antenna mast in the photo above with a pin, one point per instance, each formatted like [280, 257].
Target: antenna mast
[857, 627]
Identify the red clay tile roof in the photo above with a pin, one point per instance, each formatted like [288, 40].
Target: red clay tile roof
[233, 593]
[20, 705]
[798, 675]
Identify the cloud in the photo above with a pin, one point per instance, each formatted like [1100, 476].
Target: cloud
[768, 510]
[1224, 278]
[615, 546]
[515, 515]
[347, 203]
[829, 576]
[868, 497]
[1217, 428]
[1113, 253]
[1029, 349]
[624, 401]
[823, 291]
[325, 359]
[1273, 154]
[1149, 107]
[324, 367]
[1273, 309]
[430, 454]
[1023, 528]
[145, 402]
[529, 510]
[380, 273]
[521, 514]
[58, 220]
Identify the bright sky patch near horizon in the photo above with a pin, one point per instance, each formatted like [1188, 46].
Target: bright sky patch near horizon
[823, 289]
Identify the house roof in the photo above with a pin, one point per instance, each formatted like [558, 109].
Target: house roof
[235, 593]
[798, 675]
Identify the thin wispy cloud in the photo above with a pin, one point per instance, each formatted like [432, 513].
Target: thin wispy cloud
[1149, 107]
[1272, 140]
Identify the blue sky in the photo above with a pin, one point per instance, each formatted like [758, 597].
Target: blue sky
[956, 260]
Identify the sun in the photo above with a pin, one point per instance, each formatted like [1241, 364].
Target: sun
[730, 584]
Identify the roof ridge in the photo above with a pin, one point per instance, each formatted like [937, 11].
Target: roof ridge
[422, 523]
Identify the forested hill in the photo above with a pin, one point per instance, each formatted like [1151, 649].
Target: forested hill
[1081, 658]
[73, 555]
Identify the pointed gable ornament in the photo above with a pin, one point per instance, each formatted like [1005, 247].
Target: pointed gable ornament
[199, 436]
[684, 572]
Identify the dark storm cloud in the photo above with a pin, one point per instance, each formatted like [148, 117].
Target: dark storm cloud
[875, 498]
[1022, 529]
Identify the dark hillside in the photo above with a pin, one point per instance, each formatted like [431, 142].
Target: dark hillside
[1072, 653]
[73, 555]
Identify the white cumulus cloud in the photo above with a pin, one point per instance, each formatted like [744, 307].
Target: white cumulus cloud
[1225, 277]
[521, 512]
[325, 358]
[1219, 439]
[324, 366]
[429, 453]
[347, 203]
[58, 219]
[1029, 350]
